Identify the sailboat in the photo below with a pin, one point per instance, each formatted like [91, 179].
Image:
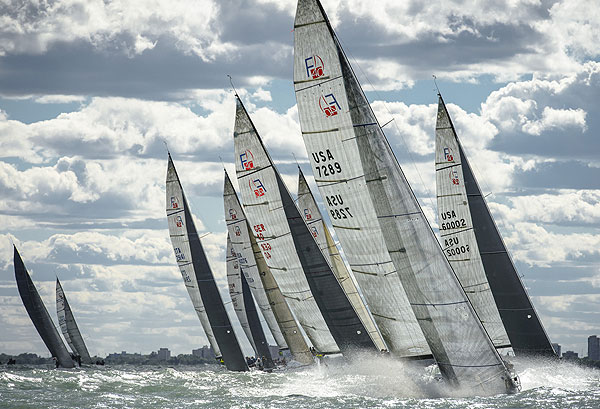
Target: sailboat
[312, 216]
[474, 247]
[39, 314]
[262, 284]
[69, 327]
[300, 268]
[198, 276]
[340, 127]
[244, 307]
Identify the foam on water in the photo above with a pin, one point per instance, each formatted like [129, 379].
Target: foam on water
[370, 381]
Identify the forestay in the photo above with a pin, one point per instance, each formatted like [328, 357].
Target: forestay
[261, 281]
[329, 137]
[301, 270]
[314, 220]
[39, 314]
[194, 268]
[521, 322]
[456, 337]
[234, 279]
[68, 326]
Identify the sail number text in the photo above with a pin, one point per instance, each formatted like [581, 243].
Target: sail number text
[265, 247]
[326, 169]
[337, 209]
[454, 248]
[452, 224]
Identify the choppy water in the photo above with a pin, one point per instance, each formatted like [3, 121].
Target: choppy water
[373, 384]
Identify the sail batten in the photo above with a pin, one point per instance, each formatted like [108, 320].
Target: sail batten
[39, 314]
[327, 316]
[195, 270]
[69, 327]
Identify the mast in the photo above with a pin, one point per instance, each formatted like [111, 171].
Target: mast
[39, 314]
[459, 343]
[69, 327]
[301, 270]
[314, 220]
[521, 321]
[196, 271]
[262, 284]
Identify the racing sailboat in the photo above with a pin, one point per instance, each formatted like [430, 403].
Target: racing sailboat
[69, 327]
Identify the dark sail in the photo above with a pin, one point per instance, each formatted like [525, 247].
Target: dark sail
[211, 298]
[39, 314]
[262, 347]
[523, 326]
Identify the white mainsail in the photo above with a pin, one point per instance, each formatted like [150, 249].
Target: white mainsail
[238, 232]
[333, 151]
[234, 280]
[456, 230]
[332, 107]
[180, 240]
[264, 208]
[314, 220]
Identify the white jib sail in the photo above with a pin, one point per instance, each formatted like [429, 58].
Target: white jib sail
[337, 107]
[264, 208]
[333, 152]
[180, 241]
[456, 230]
[314, 220]
[234, 279]
[240, 241]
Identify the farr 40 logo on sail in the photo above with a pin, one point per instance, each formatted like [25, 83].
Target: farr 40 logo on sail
[454, 177]
[314, 67]
[232, 214]
[174, 202]
[307, 214]
[448, 157]
[329, 105]
[247, 160]
[257, 187]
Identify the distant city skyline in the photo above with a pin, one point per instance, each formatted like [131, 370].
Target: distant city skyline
[90, 94]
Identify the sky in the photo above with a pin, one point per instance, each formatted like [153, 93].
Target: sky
[90, 92]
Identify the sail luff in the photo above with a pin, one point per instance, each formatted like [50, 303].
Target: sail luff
[69, 327]
[269, 298]
[301, 270]
[39, 314]
[461, 346]
[190, 255]
[523, 326]
[314, 220]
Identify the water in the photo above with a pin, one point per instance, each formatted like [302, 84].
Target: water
[376, 383]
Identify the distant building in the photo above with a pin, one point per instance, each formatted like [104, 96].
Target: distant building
[594, 348]
[164, 354]
[205, 352]
[570, 355]
[556, 348]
